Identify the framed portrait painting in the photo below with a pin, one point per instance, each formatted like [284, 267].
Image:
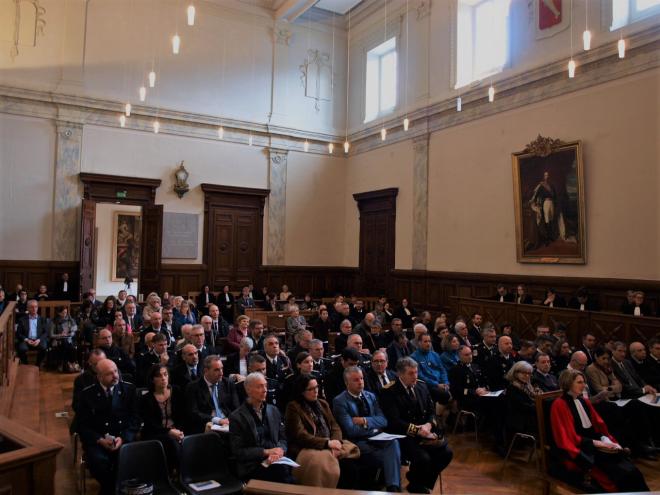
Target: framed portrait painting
[126, 245]
[548, 184]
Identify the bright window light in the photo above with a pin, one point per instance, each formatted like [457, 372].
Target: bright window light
[381, 80]
[625, 12]
[482, 39]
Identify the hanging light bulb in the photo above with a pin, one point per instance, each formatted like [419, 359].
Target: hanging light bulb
[127, 109]
[331, 148]
[571, 68]
[191, 15]
[156, 127]
[176, 44]
[152, 79]
[406, 124]
[221, 132]
[250, 140]
[306, 146]
[622, 48]
[346, 146]
[383, 134]
[143, 93]
[122, 120]
[586, 39]
[491, 94]
[459, 104]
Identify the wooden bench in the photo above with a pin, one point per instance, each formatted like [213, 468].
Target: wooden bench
[258, 487]
[275, 320]
[369, 301]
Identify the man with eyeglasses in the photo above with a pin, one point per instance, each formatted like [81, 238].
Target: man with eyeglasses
[378, 376]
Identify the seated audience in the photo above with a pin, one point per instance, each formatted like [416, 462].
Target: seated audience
[449, 356]
[387, 314]
[474, 328]
[237, 333]
[461, 331]
[21, 308]
[158, 354]
[32, 334]
[184, 315]
[314, 437]
[105, 315]
[487, 348]
[256, 333]
[87, 377]
[122, 339]
[589, 451]
[322, 326]
[521, 296]
[378, 376]
[204, 299]
[647, 366]
[286, 293]
[257, 435]
[527, 351]
[582, 301]
[152, 304]
[561, 355]
[303, 364]
[400, 347]
[507, 329]
[236, 365]
[345, 330]
[500, 364]
[503, 295]
[62, 337]
[226, 302]
[188, 369]
[132, 317]
[410, 411]
[308, 304]
[64, 290]
[633, 386]
[405, 313]
[42, 293]
[519, 397]
[244, 301]
[211, 399]
[334, 380]
[542, 378]
[170, 327]
[466, 383]
[107, 418]
[589, 346]
[116, 354]
[342, 313]
[162, 411]
[302, 340]
[360, 417]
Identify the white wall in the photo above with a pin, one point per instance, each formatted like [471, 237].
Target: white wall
[104, 238]
[27, 170]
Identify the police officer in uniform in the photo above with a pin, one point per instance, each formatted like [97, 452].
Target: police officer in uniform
[487, 348]
[466, 383]
[107, 418]
[410, 411]
[500, 364]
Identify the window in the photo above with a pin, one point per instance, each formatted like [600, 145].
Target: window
[482, 37]
[628, 11]
[381, 87]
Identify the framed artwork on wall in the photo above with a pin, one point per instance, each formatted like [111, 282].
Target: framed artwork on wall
[126, 244]
[548, 185]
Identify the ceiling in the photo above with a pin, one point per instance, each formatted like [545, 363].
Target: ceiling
[290, 10]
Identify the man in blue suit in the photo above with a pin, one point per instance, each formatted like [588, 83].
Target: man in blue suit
[360, 417]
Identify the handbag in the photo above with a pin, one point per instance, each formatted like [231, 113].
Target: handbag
[349, 450]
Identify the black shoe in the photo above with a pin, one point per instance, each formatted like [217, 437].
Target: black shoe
[412, 488]
[393, 489]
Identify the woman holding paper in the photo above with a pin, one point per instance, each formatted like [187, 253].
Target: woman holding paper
[315, 439]
[589, 451]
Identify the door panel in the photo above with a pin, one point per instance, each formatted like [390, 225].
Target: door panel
[87, 225]
[152, 228]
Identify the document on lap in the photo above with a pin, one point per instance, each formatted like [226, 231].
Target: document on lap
[386, 436]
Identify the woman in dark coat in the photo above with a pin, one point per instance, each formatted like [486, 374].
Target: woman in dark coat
[162, 411]
[519, 399]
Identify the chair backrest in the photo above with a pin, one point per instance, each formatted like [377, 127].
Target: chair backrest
[546, 440]
[203, 458]
[144, 461]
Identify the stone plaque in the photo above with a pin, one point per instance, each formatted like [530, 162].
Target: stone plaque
[180, 235]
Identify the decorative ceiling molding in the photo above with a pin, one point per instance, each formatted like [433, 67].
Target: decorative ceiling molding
[28, 35]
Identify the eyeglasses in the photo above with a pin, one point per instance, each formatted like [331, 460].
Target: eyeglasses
[379, 361]
[312, 389]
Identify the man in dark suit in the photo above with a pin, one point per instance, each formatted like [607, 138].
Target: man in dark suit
[156, 326]
[466, 383]
[256, 433]
[91, 296]
[582, 301]
[132, 317]
[474, 329]
[64, 289]
[302, 339]
[159, 354]
[378, 376]
[638, 307]
[633, 385]
[256, 333]
[588, 346]
[189, 368]
[107, 418]
[244, 301]
[218, 324]
[360, 417]
[400, 347]
[410, 411]
[334, 380]
[32, 334]
[503, 295]
[117, 354]
[500, 364]
[171, 327]
[211, 399]
[541, 377]
[646, 366]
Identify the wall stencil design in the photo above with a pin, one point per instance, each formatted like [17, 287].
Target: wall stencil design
[21, 21]
[316, 77]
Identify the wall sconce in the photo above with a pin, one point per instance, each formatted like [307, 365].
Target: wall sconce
[181, 181]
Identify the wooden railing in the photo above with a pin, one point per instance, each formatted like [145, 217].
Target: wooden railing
[369, 302]
[526, 317]
[275, 320]
[7, 356]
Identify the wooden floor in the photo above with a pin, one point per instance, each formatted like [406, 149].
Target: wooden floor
[473, 470]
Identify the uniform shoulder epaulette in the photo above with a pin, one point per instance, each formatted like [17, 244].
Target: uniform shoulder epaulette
[419, 380]
[88, 387]
[389, 384]
[128, 383]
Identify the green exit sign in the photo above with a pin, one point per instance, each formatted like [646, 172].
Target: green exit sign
[121, 194]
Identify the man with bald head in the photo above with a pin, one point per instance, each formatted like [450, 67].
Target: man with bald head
[188, 369]
[500, 364]
[107, 418]
[646, 367]
[117, 354]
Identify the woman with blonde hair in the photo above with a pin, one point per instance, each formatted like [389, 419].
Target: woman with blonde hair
[153, 306]
[520, 399]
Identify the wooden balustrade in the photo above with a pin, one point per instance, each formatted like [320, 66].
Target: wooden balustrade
[8, 362]
[526, 317]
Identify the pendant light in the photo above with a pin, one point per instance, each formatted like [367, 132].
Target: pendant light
[406, 121]
[176, 44]
[586, 35]
[156, 127]
[621, 45]
[122, 120]
[250, 139]
[348, 83]
[346, 147]
[383, 134]
[571, 62]
[331, 148]
[143, 93]
[191, 15]
[406, 124]
[491, 93]
[152, 79]
[459, 104]
[127, 109]
[306, 146]
[221, 132]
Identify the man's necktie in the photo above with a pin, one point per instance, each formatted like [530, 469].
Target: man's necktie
[363, 406]
[216, 402]
[215, 327]
[193, 372]
[383, 380]
[411, 393]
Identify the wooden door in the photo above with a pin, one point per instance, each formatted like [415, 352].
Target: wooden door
[377, 239]
[233, 234]
[150, 254]
[87, 251]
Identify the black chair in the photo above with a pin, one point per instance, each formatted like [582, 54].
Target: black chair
[204, 458]
[145, 461]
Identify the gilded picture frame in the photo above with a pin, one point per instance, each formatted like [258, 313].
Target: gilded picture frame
[126, 245]
[548, 185]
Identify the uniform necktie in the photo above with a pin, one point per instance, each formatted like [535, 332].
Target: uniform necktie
[215, 327]
[411, 393]
[216, 403]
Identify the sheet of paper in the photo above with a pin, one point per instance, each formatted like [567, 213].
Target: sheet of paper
[621, 402]
[651, 399]
[386, 436]
[287, 462]
[200, 486]
[222, 428]
[495, 393]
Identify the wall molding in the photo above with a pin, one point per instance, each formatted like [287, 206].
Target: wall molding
[599, 65]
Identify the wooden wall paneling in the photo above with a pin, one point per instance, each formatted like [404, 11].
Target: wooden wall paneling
[152, 241]
[104, 188]
[31, 273]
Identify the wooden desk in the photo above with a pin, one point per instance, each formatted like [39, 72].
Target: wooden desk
[257, 487]
[30, 466]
